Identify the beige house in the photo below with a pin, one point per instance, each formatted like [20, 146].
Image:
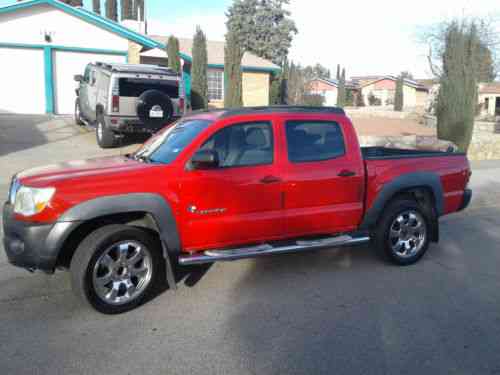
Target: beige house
[257, 72]
[384, 88]
[489, 98]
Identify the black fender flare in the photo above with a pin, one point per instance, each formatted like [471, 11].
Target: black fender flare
[401, 184]
[151, 203]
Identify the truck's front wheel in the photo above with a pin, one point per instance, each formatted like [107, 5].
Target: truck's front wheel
[115, 268]
[402, 234]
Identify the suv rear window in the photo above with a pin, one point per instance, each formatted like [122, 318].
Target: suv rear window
[134, 87]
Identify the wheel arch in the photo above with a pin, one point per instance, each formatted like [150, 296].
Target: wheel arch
[145, 210]
[423, 187]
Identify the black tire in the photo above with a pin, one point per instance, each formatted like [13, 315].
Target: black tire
[382, 240]
[154, 99]
[78, 113]
[89, 252]
[106, 138]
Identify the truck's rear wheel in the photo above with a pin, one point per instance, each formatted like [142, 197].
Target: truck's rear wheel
[105, 136]
[402, 234]
[115, 268]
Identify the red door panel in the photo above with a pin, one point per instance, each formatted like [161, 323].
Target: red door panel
[321, 196]
[241, 201]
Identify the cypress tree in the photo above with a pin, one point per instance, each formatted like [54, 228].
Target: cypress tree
[112, 10]
[174, 60]
[199, 85]
[457, 98]
[398, 96]
[127, 9]
[96, 6]
[139, 10]
[233, 54]
[341, 90]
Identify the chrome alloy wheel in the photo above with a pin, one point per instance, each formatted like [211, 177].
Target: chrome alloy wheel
[122, 272]
[407, 234]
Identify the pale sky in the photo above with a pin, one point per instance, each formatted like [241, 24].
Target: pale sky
[367, 37]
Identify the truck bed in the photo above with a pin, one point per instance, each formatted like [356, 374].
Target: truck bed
[377, 153]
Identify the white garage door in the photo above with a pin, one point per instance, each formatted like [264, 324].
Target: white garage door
[66, 66]
[22, 83]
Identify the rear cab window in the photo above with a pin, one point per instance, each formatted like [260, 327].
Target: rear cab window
[313, 140]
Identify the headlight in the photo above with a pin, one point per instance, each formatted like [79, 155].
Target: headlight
[14, 186]
[30, 201]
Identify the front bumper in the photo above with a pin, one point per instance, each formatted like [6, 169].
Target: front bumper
[33, 245]
[466, 199]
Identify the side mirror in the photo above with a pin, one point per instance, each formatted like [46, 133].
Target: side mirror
[78, 78]
[205, 159]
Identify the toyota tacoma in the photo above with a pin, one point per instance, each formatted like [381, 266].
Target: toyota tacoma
[226, 185]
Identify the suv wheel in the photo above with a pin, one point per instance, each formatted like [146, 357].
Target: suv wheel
[105, 136]
[115, 268]
[402, 234]
[78, 114]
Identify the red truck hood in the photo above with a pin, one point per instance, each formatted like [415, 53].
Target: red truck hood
[76, 169]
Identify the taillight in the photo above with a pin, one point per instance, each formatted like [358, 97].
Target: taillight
[181, 105]
[115, 103]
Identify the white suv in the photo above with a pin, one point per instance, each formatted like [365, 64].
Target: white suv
[127, 98]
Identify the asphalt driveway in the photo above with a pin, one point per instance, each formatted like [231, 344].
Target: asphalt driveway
[336, 311]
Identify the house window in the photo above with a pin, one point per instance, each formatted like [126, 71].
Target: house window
[215, 82]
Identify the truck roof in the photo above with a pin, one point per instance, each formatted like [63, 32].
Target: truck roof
[219, 113]
[136, 68]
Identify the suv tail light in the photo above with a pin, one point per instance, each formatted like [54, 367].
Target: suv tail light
[115, 103]
[181, 105]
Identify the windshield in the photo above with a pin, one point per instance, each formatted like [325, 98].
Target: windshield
[168, 145]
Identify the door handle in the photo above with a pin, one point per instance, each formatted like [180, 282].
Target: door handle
[270, 180]
[346, 173]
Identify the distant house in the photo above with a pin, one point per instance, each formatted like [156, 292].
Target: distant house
[489, 98]
[384, 89]
[257, 72]
[328, 88]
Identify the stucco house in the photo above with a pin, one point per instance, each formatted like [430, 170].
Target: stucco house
[44, 43]
[489, 98]
[328, 88]
[257, 72]
[384, 89]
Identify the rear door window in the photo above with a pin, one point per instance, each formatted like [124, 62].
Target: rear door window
[314, 140]
[134, 87]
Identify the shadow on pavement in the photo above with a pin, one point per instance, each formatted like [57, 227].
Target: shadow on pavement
[22, 132]
[349, 312]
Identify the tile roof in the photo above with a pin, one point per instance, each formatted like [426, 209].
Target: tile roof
[489, 88]
[215, 52]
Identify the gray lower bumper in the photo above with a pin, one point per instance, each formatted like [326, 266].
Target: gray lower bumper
[33, 245]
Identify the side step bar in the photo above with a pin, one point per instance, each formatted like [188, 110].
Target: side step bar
[210, 256]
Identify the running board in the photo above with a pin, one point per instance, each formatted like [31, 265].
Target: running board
[210, 256]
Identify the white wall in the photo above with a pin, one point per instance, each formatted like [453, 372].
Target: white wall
[29, 26]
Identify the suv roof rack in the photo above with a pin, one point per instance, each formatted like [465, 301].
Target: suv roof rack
[136, 68]
[280, 108]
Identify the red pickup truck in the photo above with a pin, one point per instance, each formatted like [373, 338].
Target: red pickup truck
[227, 185]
